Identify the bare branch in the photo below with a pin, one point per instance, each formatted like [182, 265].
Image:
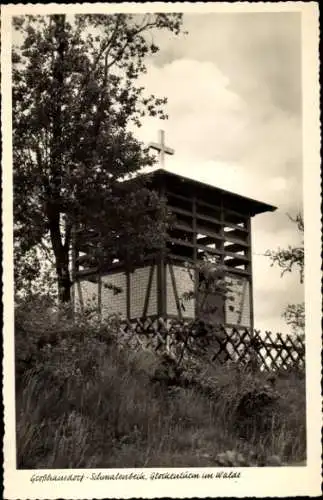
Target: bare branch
[120, 54]
[297, 220]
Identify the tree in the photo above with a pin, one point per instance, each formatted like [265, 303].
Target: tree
[33, 272]
[288, 259]
[294, 316]
[211, 288]
[75, 96]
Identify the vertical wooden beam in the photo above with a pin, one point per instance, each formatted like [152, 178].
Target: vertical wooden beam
[195, 270]
[161, 285]
[249, 254]
[243, 292]
[178, 305]
[194, 230]
[161, 272]
[222, 234]
[148, 290]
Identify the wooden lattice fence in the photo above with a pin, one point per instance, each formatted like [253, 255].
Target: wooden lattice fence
[223, 344]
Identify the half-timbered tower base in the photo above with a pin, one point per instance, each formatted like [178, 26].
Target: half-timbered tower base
[207, 221]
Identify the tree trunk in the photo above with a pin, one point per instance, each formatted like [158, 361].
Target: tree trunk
[61, 253]
[63, 280]
[54, 206]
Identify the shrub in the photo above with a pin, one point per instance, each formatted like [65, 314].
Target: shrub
[82, 401]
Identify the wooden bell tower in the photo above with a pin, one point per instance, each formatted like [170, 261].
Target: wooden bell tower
[207, 221]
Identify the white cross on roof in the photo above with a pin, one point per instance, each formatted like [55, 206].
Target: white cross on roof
[161, 147]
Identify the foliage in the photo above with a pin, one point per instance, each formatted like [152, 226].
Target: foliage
[294, 316]
[211, 287]
[83, 402]
[288, 259]
[75, 96]
[33, 271]
[40, 325]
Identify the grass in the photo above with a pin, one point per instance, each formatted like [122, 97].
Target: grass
[83, 403]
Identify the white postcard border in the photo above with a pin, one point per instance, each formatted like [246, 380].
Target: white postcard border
[258, 482]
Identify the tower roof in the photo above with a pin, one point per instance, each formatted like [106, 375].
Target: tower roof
[189, 187]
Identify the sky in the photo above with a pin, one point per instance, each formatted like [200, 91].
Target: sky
[233, 85]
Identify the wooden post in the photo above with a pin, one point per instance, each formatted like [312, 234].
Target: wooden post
[195, 271]
[161, 273]
[244, 287]
[148, 290]
[222, 234]
[178, 305]
[249, 253]
[161, 280]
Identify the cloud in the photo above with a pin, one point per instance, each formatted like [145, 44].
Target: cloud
[260, 52]
[211, 126]
[233, 87]
[272, 291]
[201, 107]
